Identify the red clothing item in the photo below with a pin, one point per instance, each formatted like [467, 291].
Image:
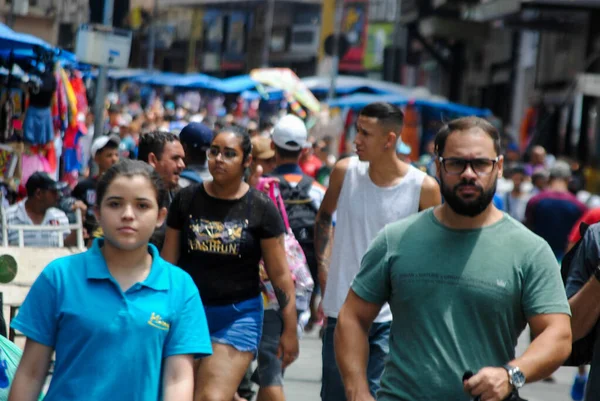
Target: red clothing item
[311, 165]
[592, 216]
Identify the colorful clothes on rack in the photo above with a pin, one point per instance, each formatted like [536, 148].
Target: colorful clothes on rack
[38, 129]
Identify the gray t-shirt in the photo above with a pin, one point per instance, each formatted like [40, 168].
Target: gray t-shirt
[583, 265]
[459, 298]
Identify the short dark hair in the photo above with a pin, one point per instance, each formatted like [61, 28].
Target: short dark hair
[154, 142]
[385, 113]
[287, 154]
[131, 168]
[465, 124]
[194, 155]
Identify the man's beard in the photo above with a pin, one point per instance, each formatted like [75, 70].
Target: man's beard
[469, 208]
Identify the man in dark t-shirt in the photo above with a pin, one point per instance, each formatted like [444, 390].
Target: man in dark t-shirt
[105, 151]
[583, 291]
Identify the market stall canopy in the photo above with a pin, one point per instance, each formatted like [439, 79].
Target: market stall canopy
[348, 84]
[287, 81]
[12, 40]
[67, 58]
[237, 84]
[196, 81]
[454, 108]
[269, 94]
[358, 101]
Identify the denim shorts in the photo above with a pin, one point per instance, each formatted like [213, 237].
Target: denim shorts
[238, 325]
[269, 371]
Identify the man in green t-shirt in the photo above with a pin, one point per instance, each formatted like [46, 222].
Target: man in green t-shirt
[462, 280]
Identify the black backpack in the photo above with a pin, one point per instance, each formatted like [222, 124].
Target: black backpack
[300, 209]
[583, 349]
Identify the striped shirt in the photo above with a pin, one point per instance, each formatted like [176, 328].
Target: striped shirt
[17, 215]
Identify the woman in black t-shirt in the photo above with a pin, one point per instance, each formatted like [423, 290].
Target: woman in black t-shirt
[218, 231]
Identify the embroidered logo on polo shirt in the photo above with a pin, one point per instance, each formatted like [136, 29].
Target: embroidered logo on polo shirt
[156, 321]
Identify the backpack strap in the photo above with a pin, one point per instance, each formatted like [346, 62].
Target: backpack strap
[303, 187]
[276, 197]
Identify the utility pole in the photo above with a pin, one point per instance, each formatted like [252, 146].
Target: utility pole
[107, 19]
[10, 21]
[266, 50]
[335, 64]
[398, 41]
[152, 36]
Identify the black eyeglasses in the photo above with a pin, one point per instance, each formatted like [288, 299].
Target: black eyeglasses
[457, 166]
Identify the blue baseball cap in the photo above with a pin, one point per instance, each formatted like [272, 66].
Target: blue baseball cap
[196, 135]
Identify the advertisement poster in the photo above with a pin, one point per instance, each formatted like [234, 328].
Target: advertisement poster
[354, 25]
[378, 38]
[234, 57]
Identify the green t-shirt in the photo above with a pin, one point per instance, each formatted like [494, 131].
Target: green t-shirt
[460, 299]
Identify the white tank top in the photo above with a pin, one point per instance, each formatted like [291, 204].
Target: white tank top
[363, 210]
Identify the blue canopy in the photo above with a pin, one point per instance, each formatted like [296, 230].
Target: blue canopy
[177, 80]
[126, 73]
[273, 94]
[348, 84]
[236, 84]
[198, 80]
[358, 101]
[10, 39]
[454, 108]
[67, 58]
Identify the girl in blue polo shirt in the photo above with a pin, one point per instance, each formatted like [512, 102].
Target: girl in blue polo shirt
[124, 323]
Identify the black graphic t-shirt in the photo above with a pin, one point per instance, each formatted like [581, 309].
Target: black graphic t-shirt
[220, 241]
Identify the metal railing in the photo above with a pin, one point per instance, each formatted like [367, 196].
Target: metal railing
[78, 226]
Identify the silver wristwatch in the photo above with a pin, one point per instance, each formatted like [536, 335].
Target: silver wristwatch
[515, 377]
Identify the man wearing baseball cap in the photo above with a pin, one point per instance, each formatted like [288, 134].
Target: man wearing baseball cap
[39, 209]
[196, 139]
[290, 137]
[263, 154]
[105, 152]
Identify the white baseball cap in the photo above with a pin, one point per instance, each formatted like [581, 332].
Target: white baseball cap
[290, 133]
[100, 142]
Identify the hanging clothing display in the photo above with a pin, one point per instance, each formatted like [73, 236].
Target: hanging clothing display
[38, 128]
[78, 86]
[32, 163]
[6, 119]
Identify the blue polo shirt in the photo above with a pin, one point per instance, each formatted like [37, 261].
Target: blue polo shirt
[111, 345]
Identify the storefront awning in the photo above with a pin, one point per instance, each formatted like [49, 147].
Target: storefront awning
[500, 9]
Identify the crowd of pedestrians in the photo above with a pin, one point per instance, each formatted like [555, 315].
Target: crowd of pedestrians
[425, 276]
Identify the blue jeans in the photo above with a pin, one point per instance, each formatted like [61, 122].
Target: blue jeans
[332, 387]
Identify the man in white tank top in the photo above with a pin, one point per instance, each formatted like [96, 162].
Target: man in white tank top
[366, 192]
